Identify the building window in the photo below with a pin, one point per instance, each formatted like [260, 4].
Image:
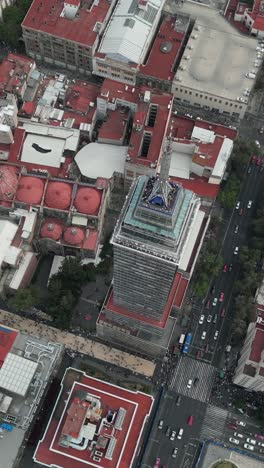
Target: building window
[205, 97]
[231, 105]
[210, 99]
[190, 92]
[201, 95]
[196, 94]
[215, 100]
[236, 106]
[220, 102]
[186, 91]
[176, 89]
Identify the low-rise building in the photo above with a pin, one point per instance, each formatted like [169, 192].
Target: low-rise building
[251, 17]
[27, 364]
[15, 71]
[65, 33]
[216, 71]
[94, 423]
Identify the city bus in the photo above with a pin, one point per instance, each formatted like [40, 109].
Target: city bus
[187, 342]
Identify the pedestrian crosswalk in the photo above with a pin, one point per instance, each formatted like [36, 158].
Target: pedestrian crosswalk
[200, 373]
[214, 423]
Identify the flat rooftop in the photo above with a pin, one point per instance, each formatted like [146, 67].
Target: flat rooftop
[46, 17]
[108, 422]
[216, 59]
[164, 51]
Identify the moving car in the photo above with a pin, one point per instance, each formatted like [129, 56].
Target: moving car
[216, 335]
[215, 318]
[236, 250]
[207, 304]
[233, 441]
[174, 453]
[180, 433]
[249, 447]
[160, 426]
[201, 320]
[173, 434]
[190, 422]
[222, 313]
[253, 159]
[225, 268]
[231, 267]
[249, 204]
[237, 205]
[249, 170]
[236, 229]
[257, 143]
[215, 301]
[168, 431]
[241, 211]
[203, 335]
[189, 384]
[251, 441]
[221, 297]
[209, 319]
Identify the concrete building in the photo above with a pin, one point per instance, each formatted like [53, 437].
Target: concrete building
[154, 253]
[65, 33]
[94, 423]
[250, 369]
[126, 39]
[252, 18]
[216, 71]
[15, 71]
[27, 364]
[3, 5]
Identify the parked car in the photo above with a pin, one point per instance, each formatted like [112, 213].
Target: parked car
[215, 301]
[190, 421]
[237, 205]
[173, 434]
[249, 447]
[216, 335]
[233, 441]
[236, 229]
[203, 335]
[178, 400]
[201, 320]
[180, 433]
[241, 423]
[160, 426]
[240, 436]
[251, 441]
[168, 431]
[174, 453]
[215, 318]
[209, 318]
[236, 249]
[260, 444]
[232, 426]
[249, 204]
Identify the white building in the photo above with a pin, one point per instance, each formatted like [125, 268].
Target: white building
[126, 39]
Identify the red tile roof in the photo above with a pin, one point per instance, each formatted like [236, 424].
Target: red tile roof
[14, 70]
[137, 406]
[207, 153]
[164, 51]
[200, 186]
[7, 338]
[45, 16]
[259, 23]
[257, 346]
[113, 129]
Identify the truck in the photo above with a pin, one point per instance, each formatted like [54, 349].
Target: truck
[187, 342]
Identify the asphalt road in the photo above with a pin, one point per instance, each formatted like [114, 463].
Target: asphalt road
[210, 421]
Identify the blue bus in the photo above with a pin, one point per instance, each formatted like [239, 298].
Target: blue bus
[187, 342]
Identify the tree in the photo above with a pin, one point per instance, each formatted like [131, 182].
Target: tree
[24, 299]
[228, 195]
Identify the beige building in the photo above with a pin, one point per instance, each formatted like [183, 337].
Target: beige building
[250, 369]
[215, 72]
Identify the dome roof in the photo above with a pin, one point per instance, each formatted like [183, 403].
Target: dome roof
[52, 229]
[73, 235]
[30, 190]
[8, 182]
[87, 200]
[58, 195]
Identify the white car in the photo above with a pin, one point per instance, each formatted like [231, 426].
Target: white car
[249, 204]
[215, 301]
[216, 335]
[249, 447]
[251, 441]
[173, 434]
[237, 205]
[203, 335]
[209, 319]
[174, 453]
[236, 250]
[241, 423]
[189, 384]
[260, 444]
[233, 441]
[180, 433]
[257, 143]
[240, 436]
[201, 321]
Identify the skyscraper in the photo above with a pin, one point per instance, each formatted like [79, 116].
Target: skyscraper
[150, 243]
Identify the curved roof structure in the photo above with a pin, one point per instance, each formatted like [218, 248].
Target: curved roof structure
[58, 195]
[8, 182]
[73, 235]
[30, 190]
[101, 160]
[51, 229]
[87, 200]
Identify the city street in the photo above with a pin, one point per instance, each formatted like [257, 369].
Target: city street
[206, 355]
